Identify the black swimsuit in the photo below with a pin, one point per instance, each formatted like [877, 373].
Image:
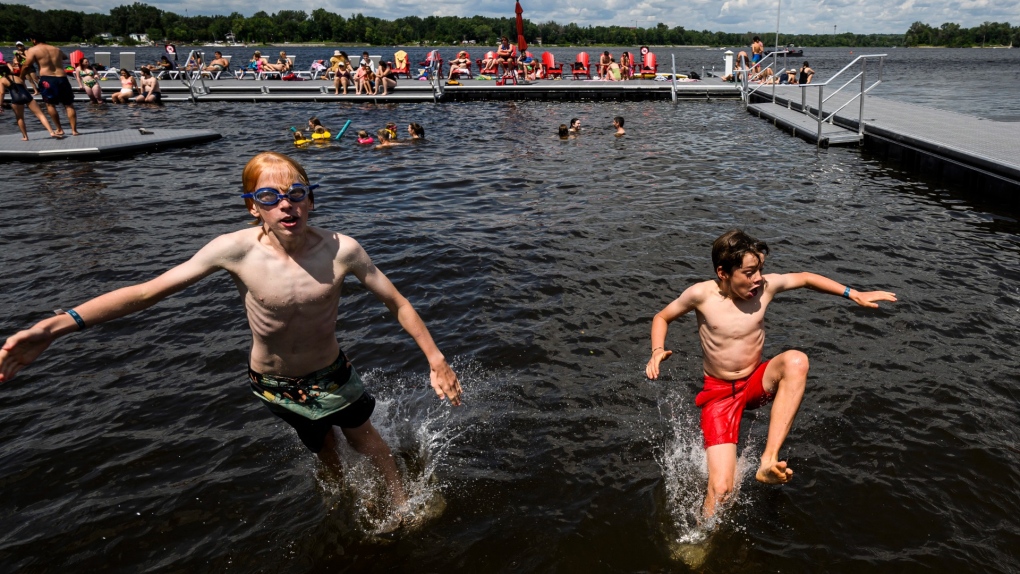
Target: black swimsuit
[19, 94]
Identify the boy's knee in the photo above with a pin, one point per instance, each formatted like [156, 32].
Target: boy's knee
[721, 487]
[796, 364]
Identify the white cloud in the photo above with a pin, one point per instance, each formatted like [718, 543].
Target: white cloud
[810, 17]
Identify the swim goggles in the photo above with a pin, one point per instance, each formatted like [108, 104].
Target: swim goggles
[270, 196]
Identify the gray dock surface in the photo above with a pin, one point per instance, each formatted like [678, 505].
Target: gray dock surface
[96, 144]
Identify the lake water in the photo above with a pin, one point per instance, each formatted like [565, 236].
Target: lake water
[537, 264]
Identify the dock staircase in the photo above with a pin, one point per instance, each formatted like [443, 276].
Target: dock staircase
[787, 106]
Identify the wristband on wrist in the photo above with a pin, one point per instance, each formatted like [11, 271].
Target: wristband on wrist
[77, 319]
[846, 292]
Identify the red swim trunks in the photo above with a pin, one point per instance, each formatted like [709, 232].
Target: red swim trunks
[723, 404]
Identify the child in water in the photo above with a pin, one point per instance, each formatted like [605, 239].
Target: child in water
[364, 138]
[317, 130]
[299, 138]
[385, 139]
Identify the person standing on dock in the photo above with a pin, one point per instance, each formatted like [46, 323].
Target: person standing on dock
[290, 276]
[731, 324]
[53, 82]
[757, 52]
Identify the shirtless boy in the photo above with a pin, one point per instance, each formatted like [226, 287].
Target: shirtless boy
[53, 82]
[731, 324]
[289, 275]
[757, 51]
[149, 88]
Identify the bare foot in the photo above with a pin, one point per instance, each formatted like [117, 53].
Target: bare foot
[774, 473]
[25, 138]
[56, 136]
[76, 133]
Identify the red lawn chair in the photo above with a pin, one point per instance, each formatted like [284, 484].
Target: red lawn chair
[550, 67]
[401, 66]
[433, 56]
[649, 67]
[494, 70]
[582, 67]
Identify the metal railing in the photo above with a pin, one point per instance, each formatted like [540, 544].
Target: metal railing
[673, 80]
[864, 89]
[194, 79]
[747, 73]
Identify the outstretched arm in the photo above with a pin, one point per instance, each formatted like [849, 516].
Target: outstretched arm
[444, 380]
[788, 281]
[25, 346]
[682, 305]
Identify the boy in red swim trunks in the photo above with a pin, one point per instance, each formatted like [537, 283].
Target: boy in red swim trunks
[731, 323]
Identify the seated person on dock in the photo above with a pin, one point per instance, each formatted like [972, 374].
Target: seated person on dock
[626, 65]
[363, 80]
[256, 61]
[461, 62]
[127, 88]
[505, 56]
[342, 71]
[194, 63]
[788, 76]
[613, 73]
[527, 66]
[806, 73]
[150, 89]
[163, 65]
[386, 80]
[218, 64]
[604, 60]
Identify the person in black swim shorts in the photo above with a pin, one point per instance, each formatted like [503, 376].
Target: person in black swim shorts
[290, 276]
[53, 82]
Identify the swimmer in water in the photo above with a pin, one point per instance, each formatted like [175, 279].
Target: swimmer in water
[299, 138]
[392, 129]
[416, 131]
[291, 276]
[364, 138]
[731, 323]
[385, 139]
[618, 124]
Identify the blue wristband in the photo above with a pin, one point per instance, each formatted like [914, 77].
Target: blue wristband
[846, 293]
[77, 319]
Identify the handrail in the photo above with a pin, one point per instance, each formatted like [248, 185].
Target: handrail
[434, 76]
[189, 78]
[673, 57]
[746, 73]
[864, 89]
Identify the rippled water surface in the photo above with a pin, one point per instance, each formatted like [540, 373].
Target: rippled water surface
[537, 265]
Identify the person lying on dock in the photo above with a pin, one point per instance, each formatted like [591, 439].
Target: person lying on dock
[291, 277]
[282, 64]
[218, 64]
[730, 312]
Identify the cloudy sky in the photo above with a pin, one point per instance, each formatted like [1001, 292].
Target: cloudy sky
[797, 16]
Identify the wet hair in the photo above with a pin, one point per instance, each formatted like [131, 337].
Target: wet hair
[729, 249]
[315, 121]
[384, 135]
[298, 135]
[619, 120]
[564, 131]
[264, 162]
[806, 64]
[574, 121]
[417, 130]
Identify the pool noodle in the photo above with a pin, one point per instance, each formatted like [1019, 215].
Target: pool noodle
[343, 129]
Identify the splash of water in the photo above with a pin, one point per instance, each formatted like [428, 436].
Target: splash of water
[417, 428]
[680, 453]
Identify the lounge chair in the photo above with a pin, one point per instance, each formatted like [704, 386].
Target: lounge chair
[549, 65]
[582, 66]
[265, 73]
[240, 73]
[649, 67]
[108, 71]
[400, 64]
[127, 62]
[494, 70]
[317, 69]
[216, 75]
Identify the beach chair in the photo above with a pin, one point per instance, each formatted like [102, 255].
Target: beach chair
[549, 65]
[315, 70]
[582, 66]
[108, 71]
[649, 67]
[216, 75]
[127, 62]
[433, 56]
[264, 73]
[247, 70]
[494, 70]
[401, 66]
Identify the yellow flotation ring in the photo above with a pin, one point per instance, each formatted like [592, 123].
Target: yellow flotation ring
[322, 136]
[301, 142]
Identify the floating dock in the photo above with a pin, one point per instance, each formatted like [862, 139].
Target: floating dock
[96, 144]
[977, 153]
[408, 91]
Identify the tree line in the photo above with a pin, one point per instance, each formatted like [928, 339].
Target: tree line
[18, 22]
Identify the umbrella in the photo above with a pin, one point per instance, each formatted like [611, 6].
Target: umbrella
[522, 44]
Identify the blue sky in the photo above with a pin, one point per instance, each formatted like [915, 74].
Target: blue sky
[798, 16]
